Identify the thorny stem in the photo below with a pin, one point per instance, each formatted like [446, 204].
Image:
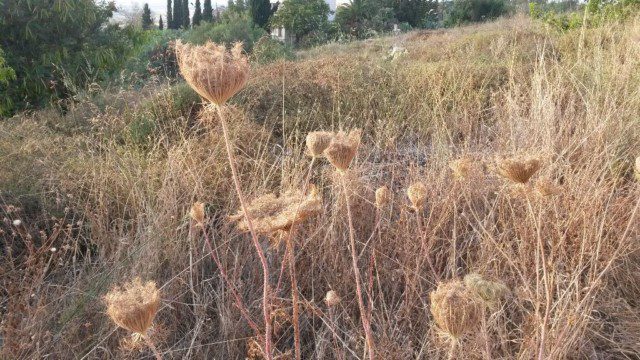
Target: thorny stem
[254, 237]
[354, 259]
[152, 347]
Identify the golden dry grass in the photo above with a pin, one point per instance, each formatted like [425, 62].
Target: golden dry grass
[97, 207]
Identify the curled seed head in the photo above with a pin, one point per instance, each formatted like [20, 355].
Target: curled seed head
[417, 193]
[518, 170]
[197, 213]
[134, 306]
[342, 149]
[383, 197]
[454, 309]
[318, 142]
[332, 298]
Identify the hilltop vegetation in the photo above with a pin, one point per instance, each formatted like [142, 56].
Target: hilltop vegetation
[100, 193]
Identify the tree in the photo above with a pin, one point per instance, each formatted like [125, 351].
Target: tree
[197, 14]
[177, 14]
[260, 11]
[466, 11]
[147, 22]
[301, 17]
[169, 15]
[415, 12]
[360, 18]
[160, 24]
[186, 19]
[54, 55]
[207, 11]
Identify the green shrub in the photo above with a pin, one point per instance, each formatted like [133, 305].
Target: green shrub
[232, 29]
[468, 11]
[6, 75]
[267, 50]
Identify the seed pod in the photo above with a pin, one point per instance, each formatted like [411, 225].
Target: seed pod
[134, 306]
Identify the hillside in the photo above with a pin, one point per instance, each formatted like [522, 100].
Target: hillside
[101, 193]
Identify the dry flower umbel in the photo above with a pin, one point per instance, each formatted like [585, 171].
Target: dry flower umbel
[197, 213]
[343, 149]
[271, 213]
[332, 298]
[518, 170]
[212, 71]
[488, 292]
[383, 197]
[454, 308]
[417, 193]
[318, 142]
[134, 306]
[462, 168]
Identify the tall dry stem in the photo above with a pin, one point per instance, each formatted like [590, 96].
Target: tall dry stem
[256, 242]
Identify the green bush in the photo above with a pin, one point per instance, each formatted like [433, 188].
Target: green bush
[56, 50]
[6, 75]
[234, 28]
[468, 11]
[267, 50]
[598, 12]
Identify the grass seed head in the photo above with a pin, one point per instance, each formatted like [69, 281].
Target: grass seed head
[383, 197]
[332, 298]
[212, 71]
[637, 168]
[197, 213]
[270, 213]
[454, 308]
[134, 306]
[318, 142]
[342, 149]
[417, 193]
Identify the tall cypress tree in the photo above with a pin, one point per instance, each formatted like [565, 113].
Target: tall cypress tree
[177, 14]
[186, 19]
[197, 14]
[160, 24]
[260, 11]
[207, 11]
[147, 22]
[169, 15]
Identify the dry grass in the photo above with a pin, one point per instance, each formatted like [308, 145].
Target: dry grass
[114, 208]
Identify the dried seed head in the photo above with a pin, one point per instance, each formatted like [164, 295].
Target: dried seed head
[270, 214]
[212, 71]
[417, 193]
[637, 168]
[332, 298]
[489, 292]
[518, 170]
[134, 306]
[462, 168]
[383, 197]
[197, 213]
[454, 309]
[318, 142]
[546, 187]
[343, 148]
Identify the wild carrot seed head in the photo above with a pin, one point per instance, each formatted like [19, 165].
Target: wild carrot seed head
[454, 309]
[197, 213]
[212, 71]
[343, 148]
[383, 197]
[318, 142]
[518, 170]
[332, 298]
[134, 306]
[417, 193]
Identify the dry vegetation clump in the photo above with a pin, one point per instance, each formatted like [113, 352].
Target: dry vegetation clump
[272, 213]
[559, 272]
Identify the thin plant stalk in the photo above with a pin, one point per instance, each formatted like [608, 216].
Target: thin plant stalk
[354, 259]
[239, 303]
[294, 298]
[152, 346]
[254, 237]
